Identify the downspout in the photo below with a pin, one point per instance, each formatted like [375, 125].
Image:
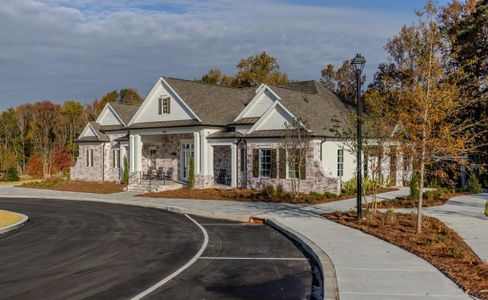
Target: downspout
[103, 162]
[321, 143]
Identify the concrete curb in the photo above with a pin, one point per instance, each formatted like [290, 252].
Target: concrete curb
[326, 288]
[15, 225]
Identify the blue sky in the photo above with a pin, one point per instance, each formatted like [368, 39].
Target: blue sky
[81, 49]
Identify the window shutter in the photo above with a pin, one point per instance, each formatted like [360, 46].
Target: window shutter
[282, 163]
[87, 157]
[160, 108]
[303, 169]
[273, 163]
[169, 105]
[255, 163]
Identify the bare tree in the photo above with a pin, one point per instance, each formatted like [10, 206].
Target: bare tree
[295, 145]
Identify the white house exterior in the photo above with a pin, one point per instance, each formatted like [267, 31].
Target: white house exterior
[233, 136]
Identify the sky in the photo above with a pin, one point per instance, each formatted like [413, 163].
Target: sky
[82, 49]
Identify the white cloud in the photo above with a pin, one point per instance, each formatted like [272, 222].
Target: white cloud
[57, 49]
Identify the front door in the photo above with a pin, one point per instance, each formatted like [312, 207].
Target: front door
[186, 155]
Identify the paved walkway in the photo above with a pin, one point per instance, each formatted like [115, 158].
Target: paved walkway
[465, 214]
[366, 267]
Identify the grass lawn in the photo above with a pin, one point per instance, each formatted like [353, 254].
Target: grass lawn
[437, 244]
[19, 182]
[432, 199]
[76, 186]
[248, 195]
[8, 218]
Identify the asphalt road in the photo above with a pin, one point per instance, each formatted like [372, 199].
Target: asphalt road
[84, 250]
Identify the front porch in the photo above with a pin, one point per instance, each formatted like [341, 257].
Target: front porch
[158, 157]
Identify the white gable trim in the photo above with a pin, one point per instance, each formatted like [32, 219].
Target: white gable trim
[88, 127]
[270, 110]
[151, 94]
[259, 92]
[109, 107]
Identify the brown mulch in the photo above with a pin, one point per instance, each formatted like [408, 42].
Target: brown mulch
[77, 186]
[407, 202]
[247, 195]
[437, 244]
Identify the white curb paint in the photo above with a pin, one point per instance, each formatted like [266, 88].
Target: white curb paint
[14, 226]
[183, 268]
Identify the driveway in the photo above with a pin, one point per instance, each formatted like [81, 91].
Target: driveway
[78, 250]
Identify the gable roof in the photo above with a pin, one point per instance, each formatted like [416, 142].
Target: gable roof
[124, 111]
[214, 104]
[99, 136]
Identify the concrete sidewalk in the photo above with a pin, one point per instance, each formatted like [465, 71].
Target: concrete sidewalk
[465, 214]
[366, 267]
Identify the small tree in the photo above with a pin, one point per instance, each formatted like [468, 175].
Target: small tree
[295, 144]
[191, 174]
[125, 176]
[12, 175]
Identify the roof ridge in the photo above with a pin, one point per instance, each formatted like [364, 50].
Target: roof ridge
[120, 103]
[209, 84]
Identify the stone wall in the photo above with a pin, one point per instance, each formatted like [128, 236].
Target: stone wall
[315, 179]
[81, 171]
[222, 159]
[204, 181]
[164, 156]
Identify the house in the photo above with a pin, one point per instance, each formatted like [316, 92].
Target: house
[232, 134]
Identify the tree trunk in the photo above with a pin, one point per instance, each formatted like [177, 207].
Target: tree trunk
[422, 175]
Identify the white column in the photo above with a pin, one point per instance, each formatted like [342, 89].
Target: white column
[123, 153]
[131, 153]
[196, 152]
[233, 162]
[210, 163]
[203, 152]
[138, 154]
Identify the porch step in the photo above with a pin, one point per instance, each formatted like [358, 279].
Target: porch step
[156, 186]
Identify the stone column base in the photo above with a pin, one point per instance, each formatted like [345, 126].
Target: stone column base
[204, 181]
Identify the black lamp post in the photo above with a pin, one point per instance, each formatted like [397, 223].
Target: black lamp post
[358, 63]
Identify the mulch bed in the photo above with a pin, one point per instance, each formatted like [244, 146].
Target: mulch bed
[437, 244]
[247, 195]
[76, 186]
[407, 202]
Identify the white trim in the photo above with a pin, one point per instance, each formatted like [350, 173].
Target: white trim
[151, 94]
[263, 118]
[108, 106]
[259, 92]
[88, 125]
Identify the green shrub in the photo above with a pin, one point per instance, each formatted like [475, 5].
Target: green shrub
[349, 187]
[474, 185]
[12, 174]
[125, 176]
[414, 187]
[269, 192]
[486, 209]
[429, 196]
[328, 195]
[191, 174]
[280, 191]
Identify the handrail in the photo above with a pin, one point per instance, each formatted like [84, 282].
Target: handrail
[136, 175]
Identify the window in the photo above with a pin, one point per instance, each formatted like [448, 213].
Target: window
[89, 157]
[265, 162]
[164, 105]
[340, 162]
[292, 164]
[116, 158]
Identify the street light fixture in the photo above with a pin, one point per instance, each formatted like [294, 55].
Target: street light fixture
[358, 63]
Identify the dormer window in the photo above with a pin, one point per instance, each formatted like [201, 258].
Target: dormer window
[164, 105]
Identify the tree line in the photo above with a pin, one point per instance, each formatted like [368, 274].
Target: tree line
[39, 139]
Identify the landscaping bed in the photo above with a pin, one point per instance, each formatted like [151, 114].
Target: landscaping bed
[76, 186]
[437, 244]
[247, 195]
[431, 198]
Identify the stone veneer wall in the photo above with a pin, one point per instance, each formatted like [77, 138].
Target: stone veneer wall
[80, 171]
[222, 159]
[204, 181]
[315, 180]
[164, 153]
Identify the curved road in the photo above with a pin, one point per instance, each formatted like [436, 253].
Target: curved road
[80, 250]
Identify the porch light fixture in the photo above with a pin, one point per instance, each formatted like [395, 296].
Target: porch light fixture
[358, 63]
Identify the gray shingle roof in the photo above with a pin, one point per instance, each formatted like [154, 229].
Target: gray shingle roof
[101, 137]
[213, 104]
[246, 121]
[124, 111]
[160, 124]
